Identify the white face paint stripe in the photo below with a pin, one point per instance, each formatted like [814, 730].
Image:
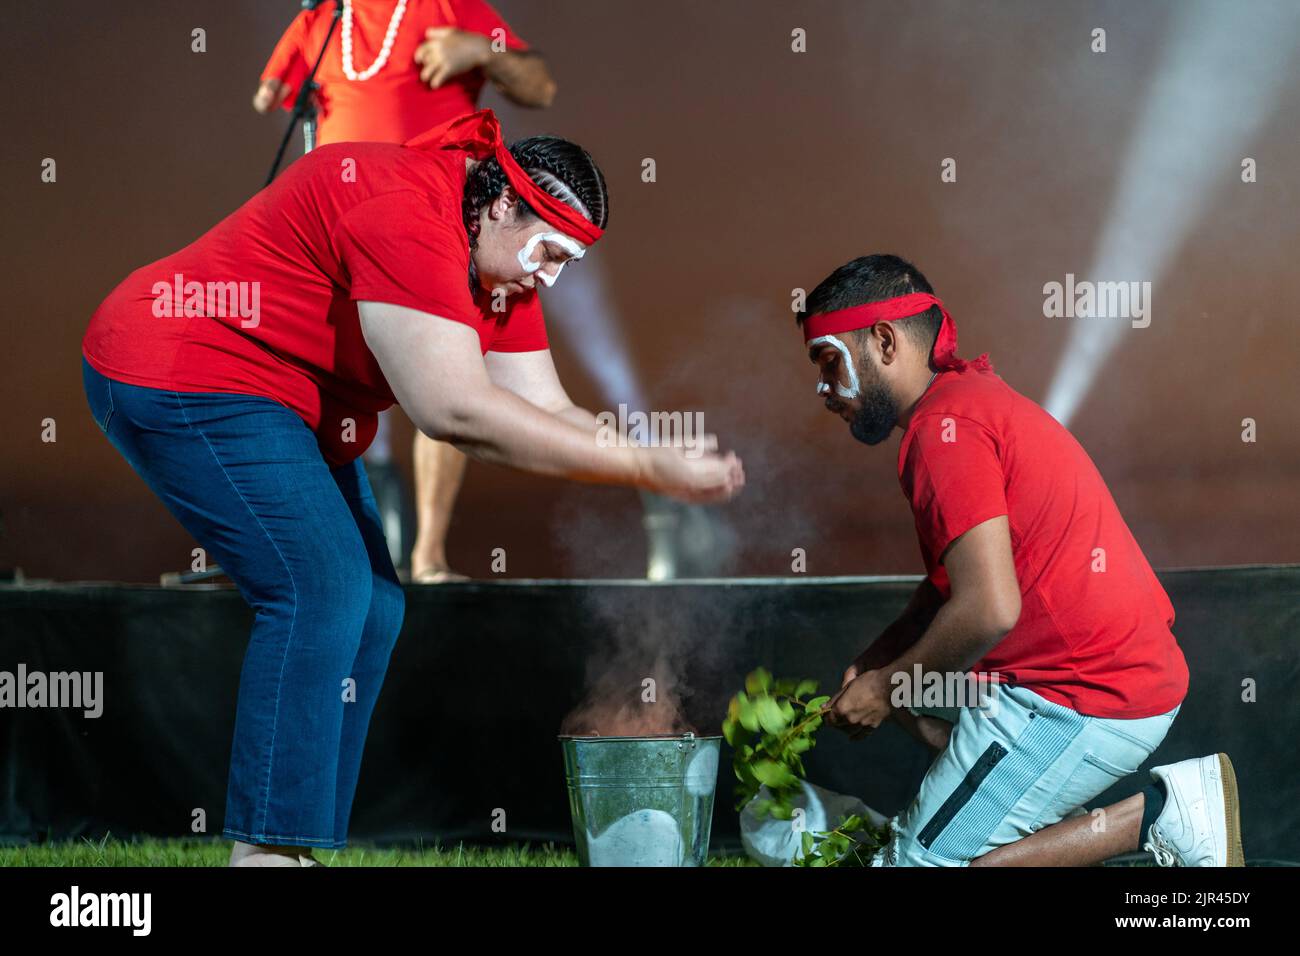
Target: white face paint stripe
[852, 390]
[525, 254]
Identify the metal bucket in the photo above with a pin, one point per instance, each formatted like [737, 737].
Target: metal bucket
[641, 801]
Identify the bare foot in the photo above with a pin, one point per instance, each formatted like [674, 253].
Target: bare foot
[257, 854]
[438, 575]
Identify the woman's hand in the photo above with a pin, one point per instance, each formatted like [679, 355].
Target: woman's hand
[704, 479]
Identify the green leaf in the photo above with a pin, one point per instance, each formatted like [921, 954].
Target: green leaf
[818, 702]
[745, 774]
[748, 715]
[807, 843]
[773, 774]
[769, 715]
[759, 681]
[731, 731]
[805, 687]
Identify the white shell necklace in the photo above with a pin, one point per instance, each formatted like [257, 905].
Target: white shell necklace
[387, 48]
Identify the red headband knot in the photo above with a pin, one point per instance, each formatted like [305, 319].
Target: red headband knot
[899, 307]
[479, 134]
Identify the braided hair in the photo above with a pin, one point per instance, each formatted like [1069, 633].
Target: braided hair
[561, 168]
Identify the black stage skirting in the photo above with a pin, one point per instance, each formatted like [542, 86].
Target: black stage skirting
[484, 673]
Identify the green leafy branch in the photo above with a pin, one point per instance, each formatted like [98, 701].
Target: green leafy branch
[852, 842]
[770, 725]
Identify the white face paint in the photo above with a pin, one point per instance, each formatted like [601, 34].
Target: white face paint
[847, 362]
[574, 250]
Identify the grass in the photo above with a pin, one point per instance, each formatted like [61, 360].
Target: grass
[112, 852]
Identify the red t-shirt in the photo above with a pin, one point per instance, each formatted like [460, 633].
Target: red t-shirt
[393, 105]
[1094, 630]
[267, 297]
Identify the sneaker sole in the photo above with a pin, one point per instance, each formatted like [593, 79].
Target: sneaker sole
[1231, 811]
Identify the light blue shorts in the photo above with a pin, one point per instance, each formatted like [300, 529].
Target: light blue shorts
[1017, 765]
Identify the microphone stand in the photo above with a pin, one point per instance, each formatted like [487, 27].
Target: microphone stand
[304, 107]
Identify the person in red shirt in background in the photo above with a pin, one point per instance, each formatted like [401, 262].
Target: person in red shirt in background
[1034, 582]
[393, 69]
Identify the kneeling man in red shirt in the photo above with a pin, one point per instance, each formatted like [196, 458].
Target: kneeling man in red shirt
[1034, 585]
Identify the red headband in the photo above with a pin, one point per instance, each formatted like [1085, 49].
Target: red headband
[899, 307]
[480, 135]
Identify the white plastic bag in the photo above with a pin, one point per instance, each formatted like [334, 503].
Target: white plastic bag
[774, 842]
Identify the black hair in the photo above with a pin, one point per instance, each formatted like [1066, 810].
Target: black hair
[563, 169]
[873, 279]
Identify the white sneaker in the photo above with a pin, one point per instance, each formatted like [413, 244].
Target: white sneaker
[1200, 823]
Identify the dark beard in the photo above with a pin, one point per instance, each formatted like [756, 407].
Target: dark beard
[878, 414]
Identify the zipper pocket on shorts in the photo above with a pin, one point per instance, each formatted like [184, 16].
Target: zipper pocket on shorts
[961, 796]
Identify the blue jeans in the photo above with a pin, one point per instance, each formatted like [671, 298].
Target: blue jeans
[304, 543]
[1010, 769]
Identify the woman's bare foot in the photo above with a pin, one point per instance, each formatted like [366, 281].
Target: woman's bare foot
[257, 854]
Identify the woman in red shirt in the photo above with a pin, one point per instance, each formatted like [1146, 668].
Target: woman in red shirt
[241, 378]
[441, 55]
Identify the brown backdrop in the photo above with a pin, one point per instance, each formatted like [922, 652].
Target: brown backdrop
[773, 168]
